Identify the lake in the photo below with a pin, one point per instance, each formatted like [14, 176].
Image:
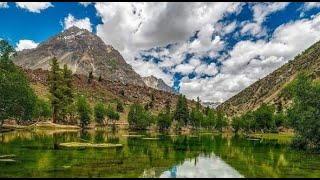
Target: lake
[36, 154]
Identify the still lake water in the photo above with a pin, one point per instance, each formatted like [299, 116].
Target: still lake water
[198, 155]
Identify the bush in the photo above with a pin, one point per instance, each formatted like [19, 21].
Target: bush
[99, 112]
[112, 114]
[84, 111]
[42, 109]
[164, 120]
[120, 106]
[138, 118]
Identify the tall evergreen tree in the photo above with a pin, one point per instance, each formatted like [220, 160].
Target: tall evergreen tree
[67, 99]
[181, 114]
[55, 84]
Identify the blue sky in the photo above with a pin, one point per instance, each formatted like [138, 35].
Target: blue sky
[210, 50]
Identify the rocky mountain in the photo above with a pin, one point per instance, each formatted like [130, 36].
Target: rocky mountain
[210, 104]
[156, 83]
[267, 90]
[83, 52]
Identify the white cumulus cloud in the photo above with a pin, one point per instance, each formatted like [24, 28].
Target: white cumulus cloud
[70, 21]
[35, 7]
[26, 44]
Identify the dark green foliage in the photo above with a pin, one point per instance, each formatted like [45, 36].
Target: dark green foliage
[264, 117]
[6, 50]
[42, 109]
[60, 87]
[164, 118]
[66, 91]
[304, 116]
[55, 88]
[120, 106]
[138, 118]
[221, 120]
[210, 119]
[196, 117]
[99, 112]
[17, 99]
[181, 114]
[84, 111]
[112, 114]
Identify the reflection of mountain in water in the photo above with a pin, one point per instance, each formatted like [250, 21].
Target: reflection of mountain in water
[202, 167]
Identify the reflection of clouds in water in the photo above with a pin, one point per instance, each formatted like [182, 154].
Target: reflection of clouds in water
[202, 167]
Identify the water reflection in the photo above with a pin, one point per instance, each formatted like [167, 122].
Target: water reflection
[208, 155]
[202, 167]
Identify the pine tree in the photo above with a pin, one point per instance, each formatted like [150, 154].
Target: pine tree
[67, 99]
[181, 114]
[55, 88]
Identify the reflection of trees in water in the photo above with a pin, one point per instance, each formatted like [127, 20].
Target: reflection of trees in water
[250, 158]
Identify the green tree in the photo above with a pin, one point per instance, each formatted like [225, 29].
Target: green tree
[137, 117]
[112, 114]
[120, 106]
[66, 89]
[42, 109]
[99, 112]
[84, 111]
[55, 88]
[17, 98]
[164, 118]
[221, 121]
[264, 117]
[304, 115]
[181, 114]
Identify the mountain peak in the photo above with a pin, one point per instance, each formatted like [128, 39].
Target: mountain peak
[157, 83]
[83, 52]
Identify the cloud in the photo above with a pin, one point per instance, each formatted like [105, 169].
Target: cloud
[26, 44]
[4, 5]
[70, 21]
[131, 27]
[155, 38]
[310, 5]
[34, 7]
[85, 4]
[260, 12]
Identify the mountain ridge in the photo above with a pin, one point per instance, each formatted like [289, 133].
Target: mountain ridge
[83, 52]
[157, 83]
[268, 89]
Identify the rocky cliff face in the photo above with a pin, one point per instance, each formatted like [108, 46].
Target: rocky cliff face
[267, 90]
[156, 83]
[83, 52]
